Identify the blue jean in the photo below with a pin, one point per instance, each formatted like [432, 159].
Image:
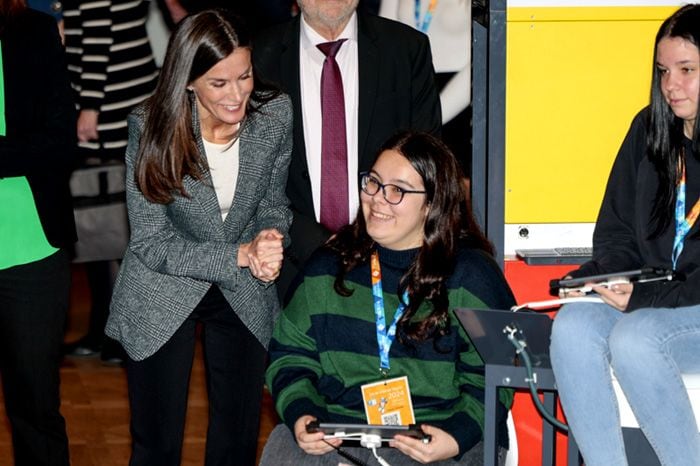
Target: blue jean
[648, 349]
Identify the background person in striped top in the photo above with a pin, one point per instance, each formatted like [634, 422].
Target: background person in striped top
[112, 70]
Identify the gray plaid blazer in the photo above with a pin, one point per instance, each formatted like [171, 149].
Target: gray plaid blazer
[178, 251]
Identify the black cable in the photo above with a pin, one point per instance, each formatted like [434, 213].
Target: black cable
[510, 331]
[347, 456]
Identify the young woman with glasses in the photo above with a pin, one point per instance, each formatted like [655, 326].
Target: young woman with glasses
[412, 255]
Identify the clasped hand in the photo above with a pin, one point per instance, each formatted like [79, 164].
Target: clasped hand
[263, 256]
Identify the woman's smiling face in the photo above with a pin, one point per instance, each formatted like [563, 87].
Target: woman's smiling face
[223, 91]
[397, 226]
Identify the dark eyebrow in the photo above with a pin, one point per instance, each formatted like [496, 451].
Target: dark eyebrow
[391, 181]
[679, 63]
[407, 183]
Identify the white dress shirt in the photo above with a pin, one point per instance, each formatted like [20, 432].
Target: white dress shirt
[223, 161]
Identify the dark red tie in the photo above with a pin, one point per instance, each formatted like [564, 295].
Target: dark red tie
[334, 150]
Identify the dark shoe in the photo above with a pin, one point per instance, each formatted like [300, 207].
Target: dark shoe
[113, 360]
[84, 347]
[112, 353]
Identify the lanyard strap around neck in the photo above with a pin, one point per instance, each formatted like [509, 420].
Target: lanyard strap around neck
[424, 25]
[385, 336]
[683, 223]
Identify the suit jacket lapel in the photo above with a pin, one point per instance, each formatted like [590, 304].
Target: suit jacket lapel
[233, 225]
[203, 191]
[368, 64]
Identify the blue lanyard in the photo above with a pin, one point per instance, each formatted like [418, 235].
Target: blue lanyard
[385, 337]
[424, 25]
[683, 223]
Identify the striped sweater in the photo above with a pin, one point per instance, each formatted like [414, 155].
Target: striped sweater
[324, 347]
[111, 65]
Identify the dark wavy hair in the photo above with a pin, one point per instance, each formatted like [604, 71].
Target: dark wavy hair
[168, 147]
[448, 225]
[665, 131]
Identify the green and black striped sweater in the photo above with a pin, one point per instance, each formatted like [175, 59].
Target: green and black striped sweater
[324, 347]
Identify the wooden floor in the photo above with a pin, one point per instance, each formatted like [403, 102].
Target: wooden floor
[96, 409]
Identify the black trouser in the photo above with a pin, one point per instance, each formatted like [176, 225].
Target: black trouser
[100, 282]
[33, 305]
[235, 365]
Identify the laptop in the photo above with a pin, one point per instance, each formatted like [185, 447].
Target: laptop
[547, 256]
[485, 329]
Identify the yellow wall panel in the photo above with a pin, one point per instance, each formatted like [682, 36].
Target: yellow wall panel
[574, 80]
[582, 13]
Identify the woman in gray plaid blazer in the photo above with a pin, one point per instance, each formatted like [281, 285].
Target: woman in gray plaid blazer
[207, 166]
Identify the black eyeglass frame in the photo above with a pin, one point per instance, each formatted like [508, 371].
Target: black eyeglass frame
[364, 176]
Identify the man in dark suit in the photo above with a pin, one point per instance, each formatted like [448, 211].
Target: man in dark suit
[388, 82]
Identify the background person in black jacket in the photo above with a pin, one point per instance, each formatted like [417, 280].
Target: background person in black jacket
[649, 333]
[37, 139]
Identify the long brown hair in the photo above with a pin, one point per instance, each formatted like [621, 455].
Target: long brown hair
[168, 148]
[448, 225]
